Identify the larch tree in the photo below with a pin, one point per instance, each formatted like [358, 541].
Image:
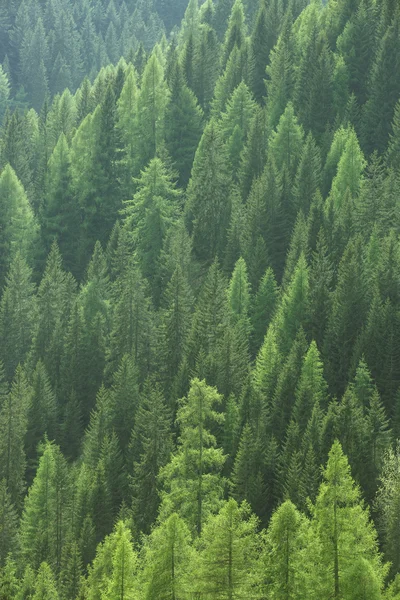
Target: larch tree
[192, 482]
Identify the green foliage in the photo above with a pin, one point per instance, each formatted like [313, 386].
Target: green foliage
[192, 483]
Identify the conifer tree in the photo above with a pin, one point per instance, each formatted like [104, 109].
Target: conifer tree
[17, 220]
[121, 584]
[60, 212]
[167, 560]
[207, 208]
[151, 447]
[176, 324]
[281, 560]
[13, 422]
[183, 125]
[42, 413]
[293, 312]
[192, 483]
[384, 91]
[45, 585]
[311, 389]
[8, 524]
[342, 526]
[44, 523]
[280, 73]
[263, 307]
[151, 106]
[149, 215]
[17, 311]
[228, 553]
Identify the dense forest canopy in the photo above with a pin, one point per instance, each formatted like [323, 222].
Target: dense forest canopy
[200, 306]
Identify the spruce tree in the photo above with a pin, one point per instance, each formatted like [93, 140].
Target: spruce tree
[150, 448]
[13, 422]
[207, 206]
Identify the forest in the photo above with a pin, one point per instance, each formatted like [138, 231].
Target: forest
[200, 300]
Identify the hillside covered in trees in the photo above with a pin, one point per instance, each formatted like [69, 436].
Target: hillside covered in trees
[200, 300]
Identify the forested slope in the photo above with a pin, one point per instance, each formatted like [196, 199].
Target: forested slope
[200, 309]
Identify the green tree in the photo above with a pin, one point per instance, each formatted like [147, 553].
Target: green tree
[387, 505]
[17, 313]
[43, 522]
[149, 215]
[151, 107]
[263, 307]
[45, 584]
[151, 447]
[60, 211]
[192, 483]
[121, 585]
[207, 206]
[342, 526]
[13, 422]
[8, 524]
[167, 560]
[228, 553]
[183, 125]
[281, 72]
[17, 220]
[281, 559]
[311, 389]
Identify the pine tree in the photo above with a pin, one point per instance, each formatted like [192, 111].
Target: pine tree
[183, 125]
[167, 560]
[263, 38]
[45, 584]
[151, 106]
[151, 447]
[149, 215]
[293, 311]
[387, 504]
[263, 307]
[54, 301]
[60, 213]
[43, 522]
[176, 325]
[17, 220]
[42, 414]
[131, 336]
[8, 524]
[192, 483]
[207, 207]
[17, 311]
[13, 422]
[311, 389]
[282, 558]
[228, 553]
[235, 34]
[384, 91]
[281, 73]
[341, 525]
[121, 584]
